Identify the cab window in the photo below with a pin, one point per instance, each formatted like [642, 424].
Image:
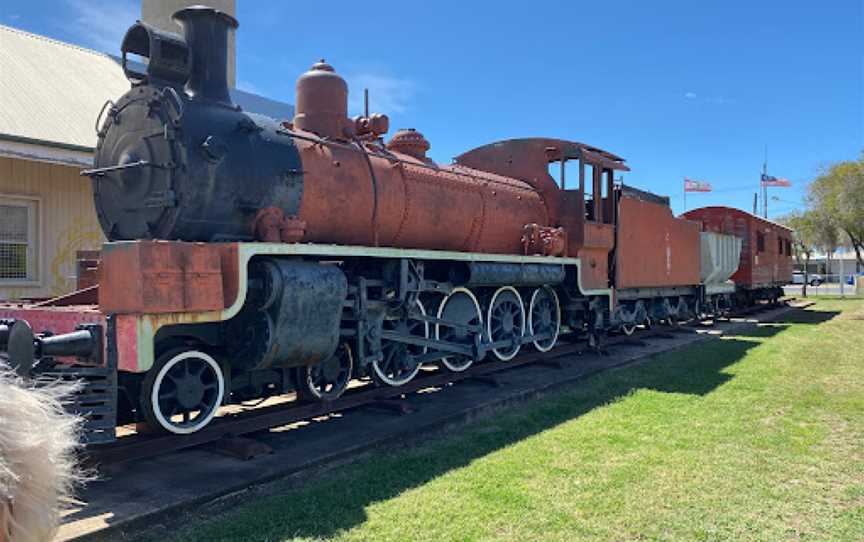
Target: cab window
[586, 183]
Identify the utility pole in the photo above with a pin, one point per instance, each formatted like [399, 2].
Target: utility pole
[755, 203]
[842, 256]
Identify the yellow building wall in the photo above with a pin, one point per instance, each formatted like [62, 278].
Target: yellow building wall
[67, 223]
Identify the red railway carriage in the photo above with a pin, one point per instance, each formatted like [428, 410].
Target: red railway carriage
[766, 254]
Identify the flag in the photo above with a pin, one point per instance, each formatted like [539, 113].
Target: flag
[696, 186]
[770, 180]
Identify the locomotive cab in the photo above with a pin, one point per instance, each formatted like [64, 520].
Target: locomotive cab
[586, 212]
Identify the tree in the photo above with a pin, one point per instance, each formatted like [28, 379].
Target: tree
[826, 235]
[805, 226]
[837, 194]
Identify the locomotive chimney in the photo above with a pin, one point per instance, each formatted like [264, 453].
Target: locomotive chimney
[206, 33]
[157, 13]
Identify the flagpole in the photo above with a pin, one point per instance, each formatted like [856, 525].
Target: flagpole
[764, 186]
[685, 195]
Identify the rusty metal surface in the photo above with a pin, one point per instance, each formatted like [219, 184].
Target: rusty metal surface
[757, 268]
[87, 268]
[411, 142]
[544, 240]
[54, 319]
[653, 247]
[598, 241]
[64, 319]
[322, 103]
[160, 277]
[83, 296]
[524, 157]
[394, 199]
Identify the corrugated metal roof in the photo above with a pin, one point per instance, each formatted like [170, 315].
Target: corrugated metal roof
[51, 91]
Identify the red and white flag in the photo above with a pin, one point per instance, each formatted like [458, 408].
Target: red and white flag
[769, 180]
[696, 186]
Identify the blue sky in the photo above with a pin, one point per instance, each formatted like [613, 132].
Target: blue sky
[679, 89]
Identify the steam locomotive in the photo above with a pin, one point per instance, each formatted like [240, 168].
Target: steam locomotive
[250, 257]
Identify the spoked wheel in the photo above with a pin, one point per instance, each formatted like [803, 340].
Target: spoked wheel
[398, 367]
[182, 392]
[684, 312]
[628, 329]
[544, 317]
[648, 323]
[461, 307]
[724, 306]
[703, 310]
[505, 321]
[328, 380]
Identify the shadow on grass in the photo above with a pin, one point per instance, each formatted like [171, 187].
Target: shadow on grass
[803, 316]
[338, 502]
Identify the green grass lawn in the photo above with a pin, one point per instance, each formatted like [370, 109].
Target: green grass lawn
[757, 436]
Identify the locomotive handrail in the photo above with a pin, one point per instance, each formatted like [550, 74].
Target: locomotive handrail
[102, 112]
[173, 99]
[98, 172]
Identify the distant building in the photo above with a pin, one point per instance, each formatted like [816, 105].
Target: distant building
[50, 95]
[840, 261]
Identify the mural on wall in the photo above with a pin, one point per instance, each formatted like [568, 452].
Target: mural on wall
[83, 233]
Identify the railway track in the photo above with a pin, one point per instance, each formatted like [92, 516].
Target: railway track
[141, 445]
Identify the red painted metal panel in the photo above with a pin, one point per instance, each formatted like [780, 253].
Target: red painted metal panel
[598, 242]
[160, 276]
[654, 248]
[55, 319]
[127, 343]
[765, 262]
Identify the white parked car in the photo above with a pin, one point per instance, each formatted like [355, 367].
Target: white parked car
[814, 279]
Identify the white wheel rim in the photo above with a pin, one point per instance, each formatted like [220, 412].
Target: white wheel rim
[157, 383]
[505, 356]
[554, 338]
[446, 359]
[630, 327]
[401, 382]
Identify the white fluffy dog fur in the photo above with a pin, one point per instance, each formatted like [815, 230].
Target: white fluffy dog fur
[38, 469]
